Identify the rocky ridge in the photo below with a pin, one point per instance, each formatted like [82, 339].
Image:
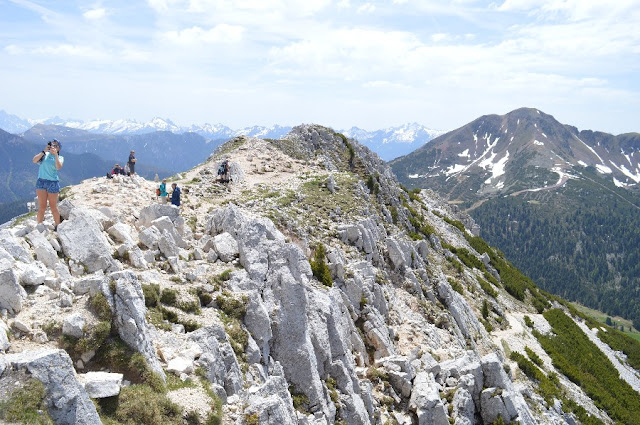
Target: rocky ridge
[222, 305]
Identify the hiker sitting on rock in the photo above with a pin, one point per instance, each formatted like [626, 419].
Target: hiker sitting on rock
[48, 184]
[175, 195]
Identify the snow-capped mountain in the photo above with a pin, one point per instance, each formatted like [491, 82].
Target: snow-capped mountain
[525, 149]
[394, 142]
[389, 143]
[13, 124]
[564, 204]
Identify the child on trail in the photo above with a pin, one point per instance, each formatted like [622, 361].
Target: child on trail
[162, 191]
[48, 184]
[175, 195]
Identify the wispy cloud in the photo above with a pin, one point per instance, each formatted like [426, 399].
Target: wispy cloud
[95, 14]
[219, 34]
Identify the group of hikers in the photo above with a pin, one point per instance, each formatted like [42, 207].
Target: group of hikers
[48, 183]
[161, 192]
[129, 168]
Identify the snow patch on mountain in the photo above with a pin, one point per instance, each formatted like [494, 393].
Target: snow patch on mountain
[590, 148]
[497, 168]
[624, 170]
[603, 169]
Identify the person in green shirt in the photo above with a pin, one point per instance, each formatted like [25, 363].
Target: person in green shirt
[48, 183]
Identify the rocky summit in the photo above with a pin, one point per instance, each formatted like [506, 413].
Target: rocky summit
[310, 289]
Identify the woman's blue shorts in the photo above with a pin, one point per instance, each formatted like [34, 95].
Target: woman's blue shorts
[51, 186]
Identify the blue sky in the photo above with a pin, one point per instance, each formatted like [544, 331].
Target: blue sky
[343, 63]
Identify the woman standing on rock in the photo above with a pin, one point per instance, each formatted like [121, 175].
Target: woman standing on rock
[48, 184]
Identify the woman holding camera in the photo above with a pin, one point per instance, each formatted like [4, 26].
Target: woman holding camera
[48, 184]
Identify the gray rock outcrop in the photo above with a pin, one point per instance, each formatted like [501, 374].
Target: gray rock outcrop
[128, 309]
[82, 240]
[12, 294]
[67, 401]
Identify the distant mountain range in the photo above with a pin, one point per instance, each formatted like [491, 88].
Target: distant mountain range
[563, 204]
[388, 143]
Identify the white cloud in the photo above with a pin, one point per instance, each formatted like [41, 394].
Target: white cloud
[367, 8]
[71, 50]
[95, 14]
[12, 49]
[439, 37]
[247, 9]
[222, 33]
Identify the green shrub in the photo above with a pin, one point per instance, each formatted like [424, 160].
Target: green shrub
[583, 363]
[141, 405]
[320, 268]
[204, 297]
[26, 405]
[469, 259]
[455, 223]
[101, 307]
[455, 285]
[485, 309]
[300, 400]
[486, 287]
[118, 356]
[190, 306]
[528, 321]
[233, 307]
[239, 338]
[252, 419]
[533, 356]
[394, 214]
[376, 375]
[151, 294]
[169, 297]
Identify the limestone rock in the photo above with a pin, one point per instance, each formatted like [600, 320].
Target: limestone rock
[73, 325]
[11, 245]
[167, 245]
[425, 401]
[32, 274]
[82, 239]
[128, 308]
[180, 365]
[150, 237]
[271, 403]
[218, 358]
[122, 233]
[12, 295]
[67, 402]
[4, 339]
[165, 223]
[492, 406]
[43, 249]
[226, 247]
[101, 384]
[154, 211]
